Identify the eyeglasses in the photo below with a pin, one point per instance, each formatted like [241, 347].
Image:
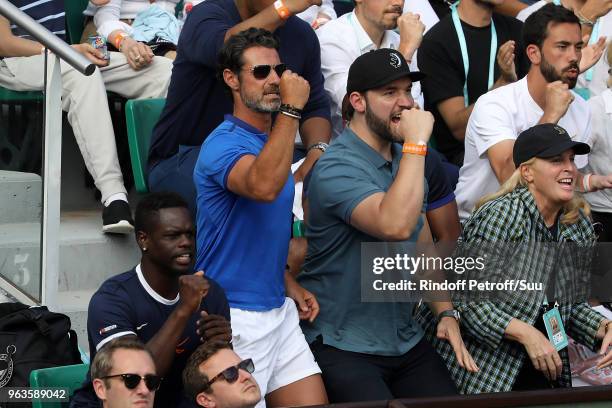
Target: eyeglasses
[131, 381]
[262, 71]
[231, 374]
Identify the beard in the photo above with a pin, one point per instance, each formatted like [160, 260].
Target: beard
[257, 102]
[550, 74]
[380, 127]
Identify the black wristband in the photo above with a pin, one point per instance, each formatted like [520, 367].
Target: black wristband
[290, 109]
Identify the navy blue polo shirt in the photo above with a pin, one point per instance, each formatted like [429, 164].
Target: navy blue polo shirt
[197, 101]
[126, 305]
[49, 13]
[242, 243]
[349, 172]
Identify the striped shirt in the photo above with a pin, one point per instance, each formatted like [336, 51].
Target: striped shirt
[48, 13]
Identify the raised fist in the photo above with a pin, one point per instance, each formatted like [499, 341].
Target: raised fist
[192, 288]
[294, 90]
[558, 100]
[416, 125]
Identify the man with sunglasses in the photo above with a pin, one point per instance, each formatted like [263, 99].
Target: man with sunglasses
[245, 197]
[124, 374]
[196, 102]
[216, 377]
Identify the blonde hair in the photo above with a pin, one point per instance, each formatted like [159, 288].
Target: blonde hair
[571, 210]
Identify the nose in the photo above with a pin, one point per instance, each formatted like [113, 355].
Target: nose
[406, 101]
[186, 240]
[142, 388]
[273, 77]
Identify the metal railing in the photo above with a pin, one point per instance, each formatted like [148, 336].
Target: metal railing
[51, 172]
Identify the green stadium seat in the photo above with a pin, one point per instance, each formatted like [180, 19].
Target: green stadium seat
[141, 116]
[75, 21]
[70, 377]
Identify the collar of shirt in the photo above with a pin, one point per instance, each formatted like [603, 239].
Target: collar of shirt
[363, 39]
[354, 142]
[242, 124]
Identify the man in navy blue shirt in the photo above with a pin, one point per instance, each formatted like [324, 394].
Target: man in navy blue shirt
[159, 301]
[196, 99]
[245, 196]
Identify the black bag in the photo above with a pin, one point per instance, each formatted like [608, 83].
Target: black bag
[33, 338]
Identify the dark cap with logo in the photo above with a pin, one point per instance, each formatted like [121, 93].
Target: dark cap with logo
[377, 68]
[544, 141]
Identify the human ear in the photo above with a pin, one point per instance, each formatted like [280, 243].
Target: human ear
[357, 100]
[231, 79]
[99, 388]
[204, 400]
[534, 54]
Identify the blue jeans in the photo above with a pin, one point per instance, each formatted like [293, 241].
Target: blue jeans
[176, 174]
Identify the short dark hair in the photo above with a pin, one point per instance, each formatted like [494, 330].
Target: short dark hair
[230, 56]
[149, 207]
[535, 29]
[195, 381]
[102, 364]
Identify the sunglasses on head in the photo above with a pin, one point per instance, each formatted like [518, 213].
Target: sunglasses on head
[262, 71]
[231, 374]
[131, 381]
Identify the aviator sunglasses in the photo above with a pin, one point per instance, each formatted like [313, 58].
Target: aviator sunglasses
[262, 71]
[231, 374]
[131, 381]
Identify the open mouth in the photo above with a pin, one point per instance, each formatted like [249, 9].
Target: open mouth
[566, 182]
[395, 118]
[183, 259]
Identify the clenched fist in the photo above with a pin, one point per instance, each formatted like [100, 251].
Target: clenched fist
[415, 125]
[192, 288]
[411, 30]
[558, 100]
[294, 90]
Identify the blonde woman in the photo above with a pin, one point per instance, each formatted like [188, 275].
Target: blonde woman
[508, 340]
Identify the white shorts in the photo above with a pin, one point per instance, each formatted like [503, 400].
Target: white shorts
[275, 342]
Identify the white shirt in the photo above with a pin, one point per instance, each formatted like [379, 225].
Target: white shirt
[600, 70]
[107, 18]
[600, 159]
[342, 41]
[502, 114]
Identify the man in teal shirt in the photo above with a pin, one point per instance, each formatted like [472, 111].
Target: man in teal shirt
[363, 189]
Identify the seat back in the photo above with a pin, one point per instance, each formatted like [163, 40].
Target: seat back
[75, 20]
[70, 377]
[141, 117]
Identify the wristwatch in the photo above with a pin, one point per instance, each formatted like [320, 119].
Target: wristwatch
[321, 146]
[450, 313]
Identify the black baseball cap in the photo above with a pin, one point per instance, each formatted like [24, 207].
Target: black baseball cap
[544, 141]
[377, 68]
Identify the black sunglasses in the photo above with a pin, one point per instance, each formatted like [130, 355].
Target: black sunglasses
[131, 381]
[231, 374]
[262, 71]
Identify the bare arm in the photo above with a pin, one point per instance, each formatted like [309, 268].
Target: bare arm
[393, 215]
[510, 7]
[500, 159]
[13, 46]
[444, 222]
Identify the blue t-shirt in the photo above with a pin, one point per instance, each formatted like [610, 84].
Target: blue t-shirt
[242, 243]
[49, 13]
[197, 101]
[349, 172]
[126, 305]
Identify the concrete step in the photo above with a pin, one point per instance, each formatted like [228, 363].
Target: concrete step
[21, 197]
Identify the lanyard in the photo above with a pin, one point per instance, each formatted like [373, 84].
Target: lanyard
[464, 53]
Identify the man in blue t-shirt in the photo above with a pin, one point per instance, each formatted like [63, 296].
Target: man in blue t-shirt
[196, 99]
[364, 190]
[159, 301]
[245, 196]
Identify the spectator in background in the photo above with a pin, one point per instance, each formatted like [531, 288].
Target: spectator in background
[506, 334]
[467, 53]
[159, 301]
[596, 19]
[124, 374]
[364, 190]
[197, 101]
[543, 96]
[83, 98]
[317, 16]
[245, 197]
[216, 377]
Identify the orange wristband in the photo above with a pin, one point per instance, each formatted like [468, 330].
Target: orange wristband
[411, 148]
[282, 10]
[119, 40]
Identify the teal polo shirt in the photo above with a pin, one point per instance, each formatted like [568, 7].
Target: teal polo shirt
[349, 172]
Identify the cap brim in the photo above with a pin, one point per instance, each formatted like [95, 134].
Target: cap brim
[577, 147]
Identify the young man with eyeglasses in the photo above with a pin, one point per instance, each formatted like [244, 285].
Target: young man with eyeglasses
[124, 374]
[244, 199]
[216, 377]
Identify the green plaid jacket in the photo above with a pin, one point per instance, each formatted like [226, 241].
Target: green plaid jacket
[515, 218]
